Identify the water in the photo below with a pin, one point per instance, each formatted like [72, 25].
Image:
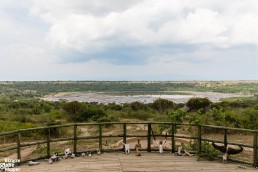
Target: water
[120, 98]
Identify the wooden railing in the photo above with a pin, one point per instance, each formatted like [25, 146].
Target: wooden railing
[199, 137]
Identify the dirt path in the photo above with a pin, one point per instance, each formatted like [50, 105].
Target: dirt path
[84, 131]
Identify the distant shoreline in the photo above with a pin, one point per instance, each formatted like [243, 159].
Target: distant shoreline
[106, 98]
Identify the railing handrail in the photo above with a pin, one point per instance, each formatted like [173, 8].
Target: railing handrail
[74, 138]
[83, 124]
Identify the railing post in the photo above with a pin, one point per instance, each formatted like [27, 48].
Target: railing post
[48, 142]
[75, 138]
[225, 137]
[100, 137]
[255, 150]
[173, 127]
[19, 146]
[149, 138]
[199, 139]
[124, 135]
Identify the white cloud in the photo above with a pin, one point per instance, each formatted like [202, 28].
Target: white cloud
[244, 29]
[149, 23]
[160, 37]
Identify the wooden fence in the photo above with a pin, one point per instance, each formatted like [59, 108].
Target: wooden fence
[199, 138]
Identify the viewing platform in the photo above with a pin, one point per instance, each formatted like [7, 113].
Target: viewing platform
[153, 161]
[108, 138]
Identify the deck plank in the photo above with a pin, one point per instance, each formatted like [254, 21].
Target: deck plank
[149, 162]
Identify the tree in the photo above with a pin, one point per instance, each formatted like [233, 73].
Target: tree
[198, 103]
[74, 107]
[251, 118]
[162, 105]
[114, 106]
[137, 106]
[92, 113]
[37, 109]
[177, 116]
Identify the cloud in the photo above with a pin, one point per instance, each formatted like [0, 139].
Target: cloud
[147, 24]
[130, 39]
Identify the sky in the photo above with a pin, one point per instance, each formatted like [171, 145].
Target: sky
[136, 40]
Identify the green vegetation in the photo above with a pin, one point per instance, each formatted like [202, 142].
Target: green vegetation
[162, 105]
[20, 106]
[208, 152]
[25, 114]
[198, 103]
[32, 89]
[13, 125]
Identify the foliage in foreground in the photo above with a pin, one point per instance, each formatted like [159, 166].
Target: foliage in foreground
[13, 125]
[31, 113]
[208, 152]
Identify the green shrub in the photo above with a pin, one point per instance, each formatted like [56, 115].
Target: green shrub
[114, 106]
[47, 108]
[89, 114]
[114, 115]
[13, 125]
[197, 118]
[162, 105]
[256, 107]
[177, 116]
[105, 119]
[19, 118]
[208, 152]
[56, 114]
[57, 132]
[74, 107]
[250, 118]
[37, 109]
[163, 118]
[137, 106]
[140, 114]
[198, 103]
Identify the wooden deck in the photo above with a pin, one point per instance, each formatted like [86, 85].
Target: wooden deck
[147, 162]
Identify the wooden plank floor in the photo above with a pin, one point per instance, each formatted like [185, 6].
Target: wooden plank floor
[147, 162]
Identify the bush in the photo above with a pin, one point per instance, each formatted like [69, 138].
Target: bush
[74, 107]
[163, 118]
[47, 108]
[256, 107]
[56, 132]
[137, 106]
[177, 116]
[56, 114]
[198, 103]
[19, 118]
[105, 119]
[162, 105]
[13, 125]
[37, 109]
[90, 114]
[250, 118]
[115, 107]
[140, 114]
[198, 118]
[208, 152]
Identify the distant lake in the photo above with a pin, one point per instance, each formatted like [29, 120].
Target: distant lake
[144, 97]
